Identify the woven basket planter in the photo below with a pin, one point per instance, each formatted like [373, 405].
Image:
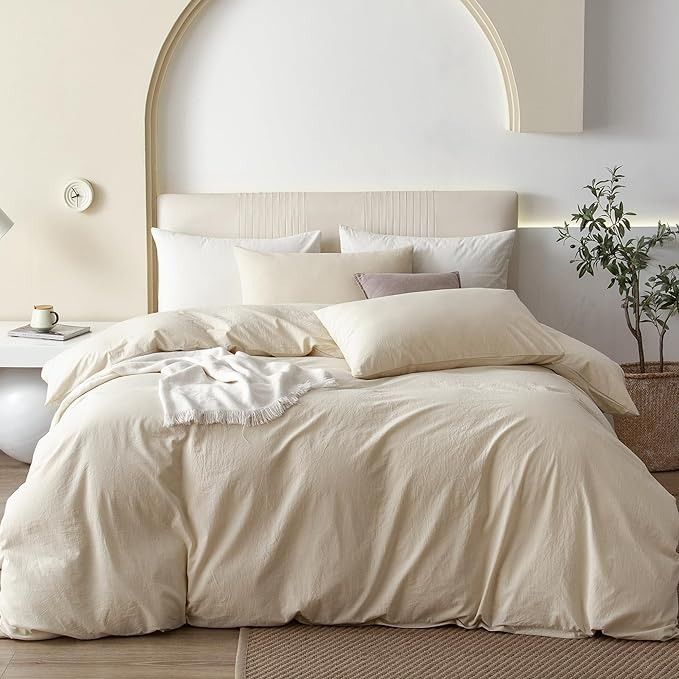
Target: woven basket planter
[654, 435]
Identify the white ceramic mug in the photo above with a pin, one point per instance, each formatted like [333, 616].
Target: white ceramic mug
[44, 318]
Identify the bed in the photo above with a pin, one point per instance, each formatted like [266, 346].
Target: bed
[488, 495]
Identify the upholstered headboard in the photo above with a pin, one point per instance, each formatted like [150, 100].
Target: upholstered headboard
[269, 215]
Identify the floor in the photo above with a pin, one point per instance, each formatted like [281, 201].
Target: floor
[187, 653]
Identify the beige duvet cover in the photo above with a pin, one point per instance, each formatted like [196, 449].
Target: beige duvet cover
[489, 496]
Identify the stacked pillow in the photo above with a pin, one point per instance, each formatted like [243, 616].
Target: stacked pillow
[482, 261]
[415, 318]
[199, 271]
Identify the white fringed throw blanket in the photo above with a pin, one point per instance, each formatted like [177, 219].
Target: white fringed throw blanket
[213, 385]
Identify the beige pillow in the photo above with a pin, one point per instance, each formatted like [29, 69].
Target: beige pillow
[260, 331]
[436, 330]
[325, 278]
[601, 378]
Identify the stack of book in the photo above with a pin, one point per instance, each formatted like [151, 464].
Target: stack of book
[59, 333]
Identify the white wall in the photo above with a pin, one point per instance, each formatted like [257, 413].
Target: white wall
[356, 94]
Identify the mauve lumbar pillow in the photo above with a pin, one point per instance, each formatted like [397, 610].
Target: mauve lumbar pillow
[387, 284]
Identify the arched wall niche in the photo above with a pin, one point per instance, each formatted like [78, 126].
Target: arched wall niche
[490, 31]
[542, 70]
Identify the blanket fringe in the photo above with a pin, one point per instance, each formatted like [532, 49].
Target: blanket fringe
[247, 418]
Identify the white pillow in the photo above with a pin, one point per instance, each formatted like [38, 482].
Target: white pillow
[197, 271]
[483, 261]
[326, 278]
[436, 330]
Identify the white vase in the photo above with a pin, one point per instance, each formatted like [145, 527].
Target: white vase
[24, 419]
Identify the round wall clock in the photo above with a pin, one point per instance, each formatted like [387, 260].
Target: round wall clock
[78, 194]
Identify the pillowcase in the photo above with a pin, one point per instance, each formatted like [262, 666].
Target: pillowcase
[437, 330]
[198, 271]
[258, 331]
[602, 379]
[386, 284]
[326, 278]
[482, 261]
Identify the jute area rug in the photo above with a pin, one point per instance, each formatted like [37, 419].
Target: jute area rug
[307, 652]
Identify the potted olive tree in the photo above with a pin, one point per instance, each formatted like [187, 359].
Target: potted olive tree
[650, 296]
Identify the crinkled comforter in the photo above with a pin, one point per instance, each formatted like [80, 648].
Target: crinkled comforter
[495, 497]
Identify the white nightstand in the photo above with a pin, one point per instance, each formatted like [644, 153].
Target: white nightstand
[24, 419]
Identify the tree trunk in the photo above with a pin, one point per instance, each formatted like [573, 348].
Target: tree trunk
[661, 351]
[637, 326]
[640, 349]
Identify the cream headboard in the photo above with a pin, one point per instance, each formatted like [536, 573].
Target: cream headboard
[269, 215]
